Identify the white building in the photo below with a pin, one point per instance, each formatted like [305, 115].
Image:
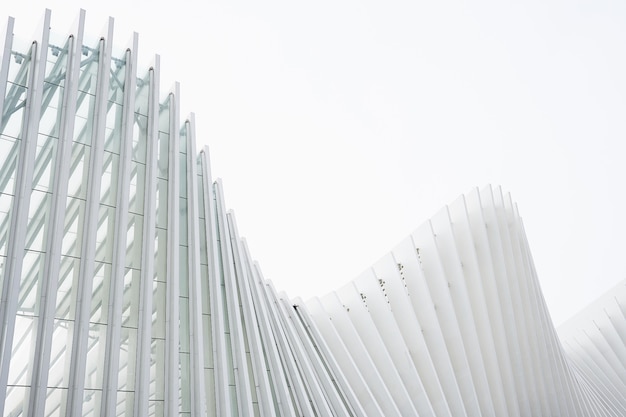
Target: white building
[126, 289]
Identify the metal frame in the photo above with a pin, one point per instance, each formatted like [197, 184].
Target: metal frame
[451, 322]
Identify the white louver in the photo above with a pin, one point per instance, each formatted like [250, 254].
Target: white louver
[126, 289]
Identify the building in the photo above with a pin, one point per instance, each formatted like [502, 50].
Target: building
[126, 289]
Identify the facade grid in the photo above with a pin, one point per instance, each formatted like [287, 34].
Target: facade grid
[126, 290]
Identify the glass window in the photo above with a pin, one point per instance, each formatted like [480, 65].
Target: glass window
[140, 134]
[183, 227]
[117, 80]
[83, 125]
[159, 290]
[184, 325]
[55, 402]
[100, 293]
[16, 397]
[25, 328]
[59, 360]
[14, 106]
[28, 299]
[125, 404]
[19, 62]
[66, 292]
[163, 156]
[105, 234]
[50, 115]
[113, 127]
[95, 358]
[130, 306]
[44, 162]
[137, 187]
[109, 181]
[78, 171]
[74, 219]
[183, 174]
[128, 350]
[161, 203]
[141, 98]
[134, 237]
[157, 370]
[185, 376]
[37, 220]
[91, 402]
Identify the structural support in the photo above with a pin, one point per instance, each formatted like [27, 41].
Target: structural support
[126, 289]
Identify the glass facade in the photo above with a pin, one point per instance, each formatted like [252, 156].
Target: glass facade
[126, 290]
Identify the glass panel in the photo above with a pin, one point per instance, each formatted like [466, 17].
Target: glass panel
[5, 219]
[108, 183]
[208, 340]
[183, 271]
[56, 61]
[161, 203]
[204, 282]
[79, 171]
[200, 190]
[185, 393]
[141, 99]
[156, 408]
[164, 116]
[37, 219]
[14, 105]
[160, 256]
[83, 126]
[183, 174]
[46, 152]
[159, 290]
[130, 307]
[66, 293]
[133, 241]
[116, 82]
[125, 404]
[128, 350]
[233, 399]
[162, 155]
[55, 400]
[49, 121]
[113, 127]
[209, 378]
[9, 149]
[104, 234]
[95, 356]
[184, 325]
[74, 218]
[19, 62]
[91, 403]
[183, 139]
[28, 300]
[183, 227]
[25, 328]
[3, 260]
[88, 70]
[137, 188]
[140, 132]
[59, 355]
[16, 398]
[204, 260]
[100, 294]
[157, 368]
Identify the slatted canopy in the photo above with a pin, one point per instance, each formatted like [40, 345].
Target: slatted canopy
[126, 289]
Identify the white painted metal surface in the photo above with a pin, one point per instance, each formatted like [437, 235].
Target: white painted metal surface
[127, 290]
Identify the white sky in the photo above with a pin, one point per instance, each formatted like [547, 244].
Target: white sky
[339, 126]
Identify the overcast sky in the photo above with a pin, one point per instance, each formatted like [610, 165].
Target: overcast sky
[340, 126]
